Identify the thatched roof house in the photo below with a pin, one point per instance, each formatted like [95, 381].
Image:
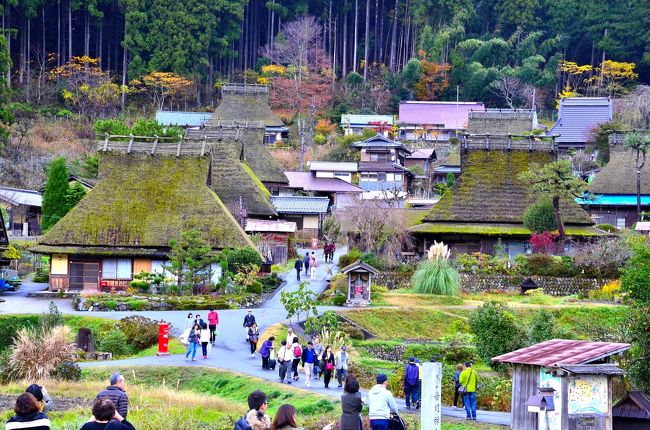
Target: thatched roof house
[614, 190]
[488, 202]
[141, 202]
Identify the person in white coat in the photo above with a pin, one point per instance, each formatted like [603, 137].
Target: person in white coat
[381, 404]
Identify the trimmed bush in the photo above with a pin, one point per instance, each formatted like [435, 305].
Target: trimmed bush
[542, 326]
[254, 288]
[353, 255]
[237, 258]
[67, 371]
[540, 216]
[140, 332]
[496, 331]
[114, 342]
[339, 300]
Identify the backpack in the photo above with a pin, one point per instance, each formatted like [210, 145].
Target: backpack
[396, 423]
[297, 351]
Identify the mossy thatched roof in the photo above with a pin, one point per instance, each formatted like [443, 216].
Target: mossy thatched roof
[143, 202]
[619, 175]
[494, 229]
[243, 106]
[260, 160]
[489, 190]
[232, 179]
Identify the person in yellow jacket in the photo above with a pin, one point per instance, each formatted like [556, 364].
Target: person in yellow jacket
[469, 380]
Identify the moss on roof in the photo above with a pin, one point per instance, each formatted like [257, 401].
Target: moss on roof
[143, 202]
[232, 179]
[489, 190]
[493, 229]
[453, 159]
[243, 107]
[619, 175]
[260, 160]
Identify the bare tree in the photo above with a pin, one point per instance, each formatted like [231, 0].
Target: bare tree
[634, 109]
[513, 91]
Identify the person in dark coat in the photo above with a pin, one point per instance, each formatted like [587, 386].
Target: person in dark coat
[105, 417]
[255, 418]
[351, 404]
[305, 262]
[28, 415]
[298, 266]
[328, 363]
[411, 377]
[41, 394]
[117, 394]
[249, 320]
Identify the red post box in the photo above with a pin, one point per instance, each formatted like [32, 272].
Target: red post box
[163, 338]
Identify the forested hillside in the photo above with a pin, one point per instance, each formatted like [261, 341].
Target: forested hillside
[470, 43]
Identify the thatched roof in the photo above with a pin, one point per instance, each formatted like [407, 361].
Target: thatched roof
[260, 160]
[232, 178]
[619, 175]
[489, 191]
[245, 103]
[141, 202]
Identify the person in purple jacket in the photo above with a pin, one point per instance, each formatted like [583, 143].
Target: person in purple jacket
[265, 351]
[411, 377]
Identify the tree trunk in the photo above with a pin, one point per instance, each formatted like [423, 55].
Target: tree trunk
[344, 70]
[125, 58]
[376, 33]
[100, 43]
[560, 224]
[58, 33]
[8, 9]
[639, 165]
[356, 36]
[69, 30]
[87, 34]
[27, 56]
[43, 53]
[380, 42]
[366, 44]
[393, 40]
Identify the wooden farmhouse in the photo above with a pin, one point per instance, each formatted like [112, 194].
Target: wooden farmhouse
[148, 193]
[563, 384]
[488, 201]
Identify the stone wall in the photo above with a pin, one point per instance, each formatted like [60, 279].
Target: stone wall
[552, 286]
[393, 280]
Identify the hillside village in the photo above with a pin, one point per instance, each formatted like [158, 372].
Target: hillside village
[328, 207]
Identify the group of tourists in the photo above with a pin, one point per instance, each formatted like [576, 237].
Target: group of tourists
[109, 410]
[198, 332]
[328, 251]
[309, 262]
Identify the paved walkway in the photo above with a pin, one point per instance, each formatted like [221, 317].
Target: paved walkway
[231, 351]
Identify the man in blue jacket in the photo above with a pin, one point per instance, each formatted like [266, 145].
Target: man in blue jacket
[411, 377]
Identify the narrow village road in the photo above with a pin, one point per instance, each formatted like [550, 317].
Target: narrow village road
[231, 351]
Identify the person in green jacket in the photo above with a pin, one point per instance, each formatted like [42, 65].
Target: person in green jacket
[469, 380]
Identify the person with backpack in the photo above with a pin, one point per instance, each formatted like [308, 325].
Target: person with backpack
[308, 358]
[298, 266]
[285, 358]
[265, 352]
[318, 349]
[341, 365]
[253, 338]
[468, 379]
[193, 340]
[249, 320]
[381, 404]
[255, 418]
[297, 354]
[328, 363]
[411, 376]
[306, 261]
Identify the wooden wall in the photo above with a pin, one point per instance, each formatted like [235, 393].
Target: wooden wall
[525, 380]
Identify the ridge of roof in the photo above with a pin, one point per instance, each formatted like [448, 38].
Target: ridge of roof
[558, 352]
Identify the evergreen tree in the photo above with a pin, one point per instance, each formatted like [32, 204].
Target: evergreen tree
[55, 204]
[6, 114]
[73, 195]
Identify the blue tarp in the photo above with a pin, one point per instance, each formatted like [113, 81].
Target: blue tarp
[614, 200]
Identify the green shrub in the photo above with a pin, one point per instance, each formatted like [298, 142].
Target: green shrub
[140, 332]
[352, 331]
[339, 300]
[436, 277]
[41, 276]
[137, 304]
[607, 227]
[237, 258]
[254, 288]
[111, 304]
[110, 126]
[496, 331]
[540, 216]
[140, 285]
[115, 342]
[353, 255]
[10, 324]
[67, 371]
[542, 326]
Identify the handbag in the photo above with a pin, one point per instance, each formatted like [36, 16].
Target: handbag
[329, 366]
[462, 389]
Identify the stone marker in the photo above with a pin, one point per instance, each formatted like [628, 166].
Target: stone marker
[431, 396]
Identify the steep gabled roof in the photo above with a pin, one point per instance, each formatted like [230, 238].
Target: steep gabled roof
[307, 182]
[445, 115]
[619, 175]
[142, 202]
[489, 190]
[245, 103]
[578, 116]
[182, 119]
[233, 179]
[635, 405]
[379, 141]
[260, 160]
[17, 196]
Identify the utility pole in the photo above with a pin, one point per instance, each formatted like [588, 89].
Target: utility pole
[312, 116]
[301, 126]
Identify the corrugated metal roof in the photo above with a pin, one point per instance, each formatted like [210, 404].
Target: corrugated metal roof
[16, 196]
[269, 226]
[449, 115]
[183, 119]
[300, 205]
[365, 119]
[332, 166]
[307, 182]
[593, 369]
[613, 200]
[635, 405]
[378, 140]
[422, 153]
[558, 352]
[578, 116]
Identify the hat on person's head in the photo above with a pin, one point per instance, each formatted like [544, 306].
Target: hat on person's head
[36, 391]
[411, 359]
[468, 364]
[343, 348]
[381, 378]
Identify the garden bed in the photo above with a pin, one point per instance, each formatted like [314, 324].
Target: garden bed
[118, 302]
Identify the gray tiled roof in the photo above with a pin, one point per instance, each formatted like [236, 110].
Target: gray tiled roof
[578, 116]
[183, 119]
[300, 205]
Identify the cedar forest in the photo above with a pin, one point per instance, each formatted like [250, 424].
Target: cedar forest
[483, 47]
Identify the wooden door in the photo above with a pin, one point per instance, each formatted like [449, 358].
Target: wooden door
[84, 275]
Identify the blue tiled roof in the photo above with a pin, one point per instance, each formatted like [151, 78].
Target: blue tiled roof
[183, 119]
[614, 200]
[300, 205]
[578, 116]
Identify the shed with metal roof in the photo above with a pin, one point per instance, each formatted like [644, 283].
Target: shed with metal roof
[306, 212]
[580, 373]
[632, 412]
[578, 117]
